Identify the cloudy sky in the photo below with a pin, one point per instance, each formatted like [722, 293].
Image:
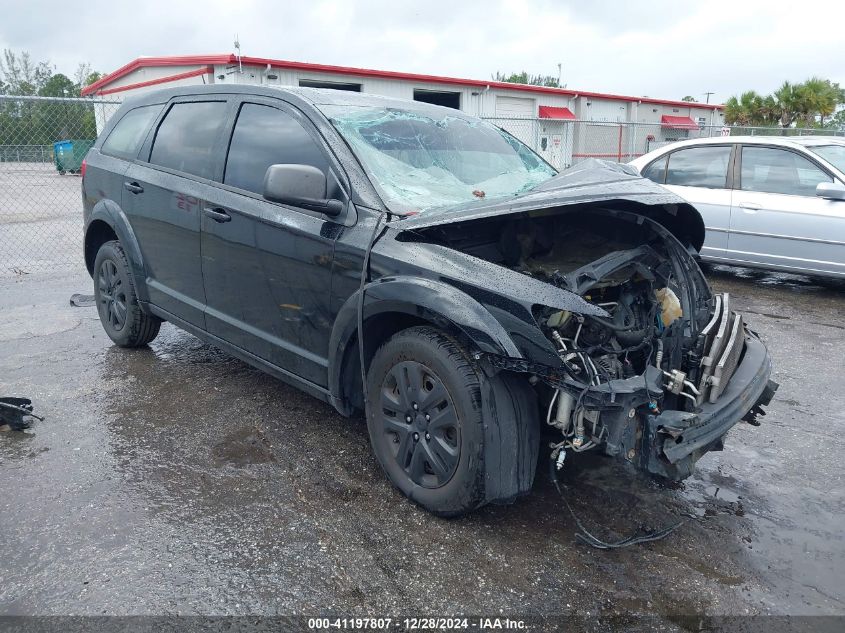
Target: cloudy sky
[659, 48]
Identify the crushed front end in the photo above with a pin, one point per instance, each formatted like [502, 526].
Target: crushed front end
[632, 354]
[666, 373]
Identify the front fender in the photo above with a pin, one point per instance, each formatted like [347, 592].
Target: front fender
[428, 300]
[110, 213]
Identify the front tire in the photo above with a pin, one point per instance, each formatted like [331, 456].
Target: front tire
[448, 437]
[117, 302]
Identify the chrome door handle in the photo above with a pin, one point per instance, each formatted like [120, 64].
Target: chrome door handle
[133, 187]
[217, 214]
[751, 206]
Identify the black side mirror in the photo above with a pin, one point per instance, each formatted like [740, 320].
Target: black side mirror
[302, 186]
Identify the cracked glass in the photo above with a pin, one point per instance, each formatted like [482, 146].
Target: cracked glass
[423, 161]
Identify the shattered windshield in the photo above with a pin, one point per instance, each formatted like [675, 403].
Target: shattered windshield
[422, 162]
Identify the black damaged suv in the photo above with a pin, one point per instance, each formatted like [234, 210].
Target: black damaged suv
[428, 268]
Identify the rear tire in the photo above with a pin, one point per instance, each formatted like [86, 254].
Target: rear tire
[117, 302]
[448, 437]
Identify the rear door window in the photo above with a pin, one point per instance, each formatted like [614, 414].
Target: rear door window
[705, 166]
[772, 170]
[126, 138]
[266, 136]
[185, 140]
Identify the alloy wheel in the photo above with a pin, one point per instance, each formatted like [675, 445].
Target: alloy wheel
[112, 295]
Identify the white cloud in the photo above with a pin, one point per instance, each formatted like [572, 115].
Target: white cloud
[664, 48]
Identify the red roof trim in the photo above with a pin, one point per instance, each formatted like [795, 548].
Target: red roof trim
[554, 112]
[368, 72]
[678, 122]
[152, 82]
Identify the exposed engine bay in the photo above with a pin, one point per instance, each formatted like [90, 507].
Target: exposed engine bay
[665, 342]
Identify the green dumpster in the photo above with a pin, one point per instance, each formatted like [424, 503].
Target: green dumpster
[68, 155]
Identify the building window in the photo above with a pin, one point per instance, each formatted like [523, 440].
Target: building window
[332, 85]
[439, 97]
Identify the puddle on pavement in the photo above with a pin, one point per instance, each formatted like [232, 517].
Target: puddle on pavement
[242, 447]
[203, 435]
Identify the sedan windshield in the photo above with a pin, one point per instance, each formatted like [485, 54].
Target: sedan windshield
[834, 154]
[420, 161]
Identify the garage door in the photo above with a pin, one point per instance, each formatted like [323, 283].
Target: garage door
[515, 107]
[509, 111]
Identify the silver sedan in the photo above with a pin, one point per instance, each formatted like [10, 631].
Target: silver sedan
[767, 201]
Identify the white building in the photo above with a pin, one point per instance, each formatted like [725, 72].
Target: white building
[542, 117]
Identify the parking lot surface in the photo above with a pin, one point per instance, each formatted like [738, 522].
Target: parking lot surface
[175, 479]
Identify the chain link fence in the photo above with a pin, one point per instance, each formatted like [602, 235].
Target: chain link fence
[564, 143]
[43, 141]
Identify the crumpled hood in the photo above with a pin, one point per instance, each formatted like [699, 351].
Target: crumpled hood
[591, 182]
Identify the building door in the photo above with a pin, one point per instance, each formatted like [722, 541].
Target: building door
[516, 114]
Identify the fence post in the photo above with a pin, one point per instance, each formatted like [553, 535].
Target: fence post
[619, 146]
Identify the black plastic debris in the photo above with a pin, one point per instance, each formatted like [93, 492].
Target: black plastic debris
[82, 301]
[17, 413]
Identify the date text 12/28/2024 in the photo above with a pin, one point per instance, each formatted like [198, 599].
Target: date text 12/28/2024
[417, 624]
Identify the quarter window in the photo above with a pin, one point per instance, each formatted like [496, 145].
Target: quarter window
[656, 171]
[771, 170]
[126, 138]
[186, 137]
[705, 166]
[267, 136]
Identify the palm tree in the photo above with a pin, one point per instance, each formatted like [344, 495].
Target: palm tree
[792, 103]
[789, 103]
[820, 98]
[747, 110]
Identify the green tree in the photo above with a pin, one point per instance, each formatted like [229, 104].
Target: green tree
[837, 121]
[790, 103]
[84, 76]
[689, 98]
[37, 122]
[21, 75]
[820, 98]
[524, 78]
[749, 109]
[59, 86]
[807, 104]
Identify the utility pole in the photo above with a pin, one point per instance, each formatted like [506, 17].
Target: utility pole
[707, 94]
[238, 48]
[559, 71]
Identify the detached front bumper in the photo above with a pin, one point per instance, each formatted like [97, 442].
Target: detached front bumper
[675, 440]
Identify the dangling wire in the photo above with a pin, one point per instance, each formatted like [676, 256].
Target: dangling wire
[584, 535]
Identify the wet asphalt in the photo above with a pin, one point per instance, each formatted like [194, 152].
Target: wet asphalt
[176, 479]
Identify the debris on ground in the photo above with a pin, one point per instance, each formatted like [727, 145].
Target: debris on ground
[82, 301]
[16, 413]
